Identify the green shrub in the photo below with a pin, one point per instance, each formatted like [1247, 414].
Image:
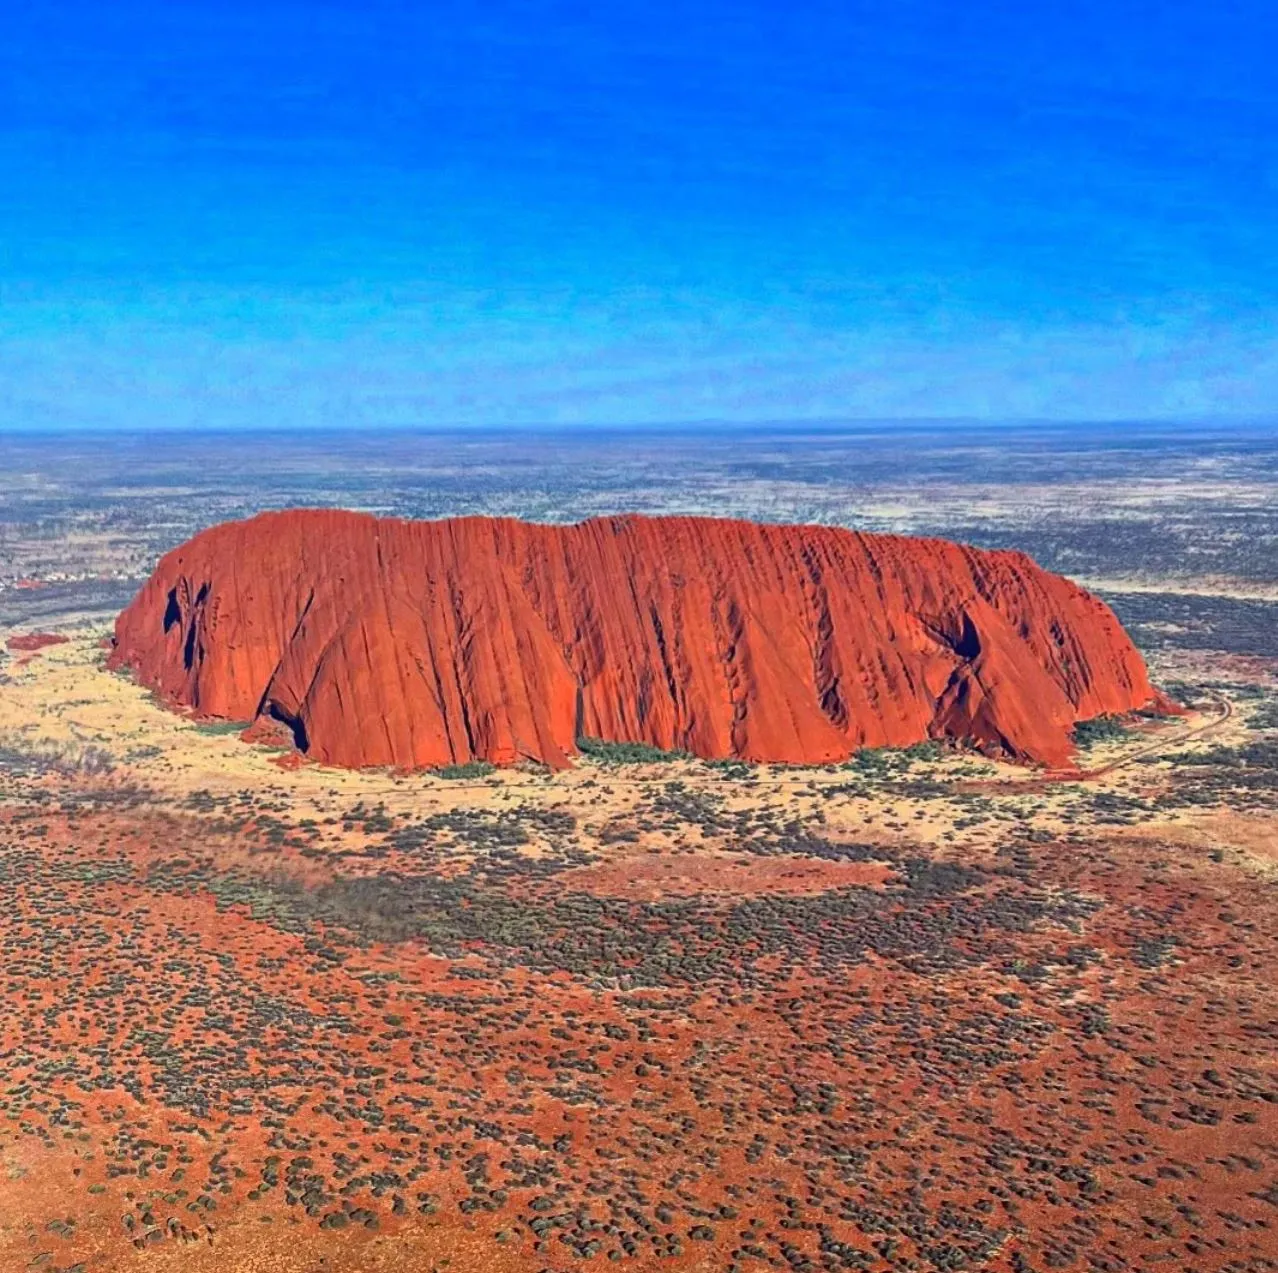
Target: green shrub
[1100, 729]
[930, 750]
[471, 769]
[215, 727]
[876, 761]
[734, 769]
[1265, 716]
[610, 753]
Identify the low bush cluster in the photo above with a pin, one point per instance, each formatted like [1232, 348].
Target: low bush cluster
[1100, 729]
[610, 753]
[471, 769]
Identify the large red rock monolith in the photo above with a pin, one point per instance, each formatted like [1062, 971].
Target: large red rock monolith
[424, 643]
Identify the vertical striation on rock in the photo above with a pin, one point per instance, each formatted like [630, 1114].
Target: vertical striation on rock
[418, 644]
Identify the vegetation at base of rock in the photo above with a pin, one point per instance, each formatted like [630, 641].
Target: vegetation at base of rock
[219, 727]
[737, 770]
[610, 753]
[471, 769]
[885, 761]
[1100, 729]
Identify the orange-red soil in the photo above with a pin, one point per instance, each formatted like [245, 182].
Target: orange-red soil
[421, 644]
[1060, 1059]
[28, 642]
[649, 878]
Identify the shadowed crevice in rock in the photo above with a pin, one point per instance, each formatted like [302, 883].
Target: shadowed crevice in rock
[293, 724]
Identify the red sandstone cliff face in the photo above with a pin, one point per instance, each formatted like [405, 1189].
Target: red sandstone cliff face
[419, 644]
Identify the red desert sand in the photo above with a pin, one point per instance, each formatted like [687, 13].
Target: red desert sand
[34, 641]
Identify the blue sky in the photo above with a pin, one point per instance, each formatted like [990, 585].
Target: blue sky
[288, 214]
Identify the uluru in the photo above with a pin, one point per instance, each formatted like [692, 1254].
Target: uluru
[418, 644]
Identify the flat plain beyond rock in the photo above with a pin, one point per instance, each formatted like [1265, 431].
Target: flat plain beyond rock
[419, 644]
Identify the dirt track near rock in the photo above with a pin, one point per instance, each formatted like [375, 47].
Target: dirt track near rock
[1199, 731]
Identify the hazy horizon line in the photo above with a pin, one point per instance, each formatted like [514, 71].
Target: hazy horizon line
[717, 425]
